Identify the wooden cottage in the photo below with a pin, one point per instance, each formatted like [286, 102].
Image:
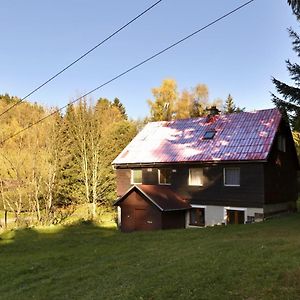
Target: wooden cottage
[221, 169]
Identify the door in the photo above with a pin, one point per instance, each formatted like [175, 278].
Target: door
[144, 219]
[235, 216]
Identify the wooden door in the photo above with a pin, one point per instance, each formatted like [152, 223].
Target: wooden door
[144, 219]
[235, 216]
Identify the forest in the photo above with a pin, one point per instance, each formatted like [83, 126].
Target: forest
[65, 161]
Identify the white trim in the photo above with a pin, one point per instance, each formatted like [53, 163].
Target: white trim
[201, 177]
[159, 177]
[235, 185]
[119, 216]
[198, 206]
[187, 223]
[244, 209]
[131, 177]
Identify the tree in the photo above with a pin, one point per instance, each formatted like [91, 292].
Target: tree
[169, 104]
[230, 106]
[116, 103]
[163, 106]
[289, 102]
[295, 5]
[199, 101]
[183, 105]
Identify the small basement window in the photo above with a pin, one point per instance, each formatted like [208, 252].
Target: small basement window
[231, 176]
[164, 176]
[136, 176]
[197, 217]
[208, 135]
[281, 143]
[196, 176]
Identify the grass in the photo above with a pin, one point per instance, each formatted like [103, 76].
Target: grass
[84, 261]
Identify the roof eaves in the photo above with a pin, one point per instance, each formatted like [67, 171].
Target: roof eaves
[142, 192]
[175, 209]
[149, 198]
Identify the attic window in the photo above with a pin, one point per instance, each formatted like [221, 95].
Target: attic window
[208, 135]
[281, 144]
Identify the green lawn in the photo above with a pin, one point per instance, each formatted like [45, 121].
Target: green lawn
[258, 261]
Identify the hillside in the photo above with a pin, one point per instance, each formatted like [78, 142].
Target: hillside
[84, 261]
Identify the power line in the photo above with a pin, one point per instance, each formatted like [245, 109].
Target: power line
[82, 56]
[129, 70]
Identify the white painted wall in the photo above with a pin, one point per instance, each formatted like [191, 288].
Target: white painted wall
[216, 215]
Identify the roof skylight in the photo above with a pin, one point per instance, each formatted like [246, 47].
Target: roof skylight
[208, 135]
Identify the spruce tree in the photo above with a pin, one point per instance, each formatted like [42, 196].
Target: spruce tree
[289, 99]
[230, 106]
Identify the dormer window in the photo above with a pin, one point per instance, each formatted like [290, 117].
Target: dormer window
[208, 135]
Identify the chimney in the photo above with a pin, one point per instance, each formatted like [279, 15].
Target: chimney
[212, 112]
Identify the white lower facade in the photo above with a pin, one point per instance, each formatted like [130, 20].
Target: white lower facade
[218, 215]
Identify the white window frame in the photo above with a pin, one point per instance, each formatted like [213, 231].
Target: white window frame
[132, 177]
[224, 173]
[201, 177]
[244, 209]
[162, 183]
[187, 219]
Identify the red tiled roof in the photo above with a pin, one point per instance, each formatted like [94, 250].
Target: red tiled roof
[163, 197]
[239, 136]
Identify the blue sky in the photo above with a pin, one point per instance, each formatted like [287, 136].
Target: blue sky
[238, 55]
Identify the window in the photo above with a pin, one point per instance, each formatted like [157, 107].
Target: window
[195, 176]
[281, 143]
[197, 217]
[136, 176]
[232, 176]
[164, 176]
[208, 135]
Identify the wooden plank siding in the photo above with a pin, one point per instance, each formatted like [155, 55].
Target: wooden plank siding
[281, 171]
[250, 193]
[173, 219]
[123, 181]
[138, 214]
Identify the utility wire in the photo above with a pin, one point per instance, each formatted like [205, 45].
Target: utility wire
[129, 70]
[82, 56]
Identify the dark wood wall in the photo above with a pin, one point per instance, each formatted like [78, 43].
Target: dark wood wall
[173, 219]
[138, 214]
[281, 171]
[123, 181]
[250, 193]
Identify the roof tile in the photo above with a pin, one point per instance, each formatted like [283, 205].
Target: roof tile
[239, 136]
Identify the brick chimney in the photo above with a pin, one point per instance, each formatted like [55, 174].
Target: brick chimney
[212, 113]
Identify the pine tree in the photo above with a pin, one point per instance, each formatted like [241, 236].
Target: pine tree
[295, 5]
[230, 106]
[289, 102]
[117, 103]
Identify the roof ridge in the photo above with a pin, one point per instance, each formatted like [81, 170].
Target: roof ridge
[221, 114]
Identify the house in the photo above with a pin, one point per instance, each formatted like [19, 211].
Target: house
[220, 169]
